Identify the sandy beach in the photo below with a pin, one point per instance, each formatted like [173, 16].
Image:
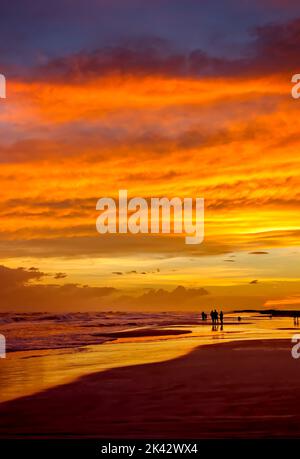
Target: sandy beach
[246, 389]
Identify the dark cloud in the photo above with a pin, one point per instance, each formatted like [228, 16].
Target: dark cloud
[60, 276]
[155, 57]
[36, 31]
[176, 299]
[258, 252]
[276, 47]
[143, 272]
[12, 278]
[20, 292]
[273, 49]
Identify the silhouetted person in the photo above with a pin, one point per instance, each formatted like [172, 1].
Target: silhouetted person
[216, 316]
[239, 318]
[212, 316]
[221, 317]
[203, 315]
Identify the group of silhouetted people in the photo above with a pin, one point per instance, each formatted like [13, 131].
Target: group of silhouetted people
[215, 316]
[296, 318]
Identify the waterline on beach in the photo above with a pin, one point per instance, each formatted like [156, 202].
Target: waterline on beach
[27, 372]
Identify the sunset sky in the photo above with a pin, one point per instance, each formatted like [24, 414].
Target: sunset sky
[162, 98]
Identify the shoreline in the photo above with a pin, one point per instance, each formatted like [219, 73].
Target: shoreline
[136, 332]
[235, 389]
[110, 337]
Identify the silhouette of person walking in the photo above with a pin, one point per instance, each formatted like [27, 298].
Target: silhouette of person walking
[221, 317]
[216, 316]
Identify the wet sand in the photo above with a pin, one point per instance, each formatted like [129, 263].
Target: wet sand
[142, 333]
[241, 389]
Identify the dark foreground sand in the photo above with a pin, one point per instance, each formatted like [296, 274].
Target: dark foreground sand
[242, 389]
